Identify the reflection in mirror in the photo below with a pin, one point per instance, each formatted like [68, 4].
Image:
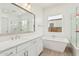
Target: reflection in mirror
[55, 23]
[15, 19]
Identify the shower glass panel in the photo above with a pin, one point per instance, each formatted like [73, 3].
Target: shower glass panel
[75, 27]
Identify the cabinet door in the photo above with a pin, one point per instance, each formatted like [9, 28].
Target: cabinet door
[36, 48]
[10, 52]
[22, 53]
[32, 51]
[39, 46]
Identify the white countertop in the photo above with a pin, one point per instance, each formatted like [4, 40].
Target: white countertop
[11, 43]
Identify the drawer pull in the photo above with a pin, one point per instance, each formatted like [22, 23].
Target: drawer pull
[25, 53]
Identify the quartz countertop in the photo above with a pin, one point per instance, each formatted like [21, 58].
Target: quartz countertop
[11, 43]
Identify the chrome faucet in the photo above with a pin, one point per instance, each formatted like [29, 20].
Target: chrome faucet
[15, 38]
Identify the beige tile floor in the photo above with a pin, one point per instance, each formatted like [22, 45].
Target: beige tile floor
[48, 52]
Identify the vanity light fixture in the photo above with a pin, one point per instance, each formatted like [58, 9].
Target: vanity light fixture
[27, 6]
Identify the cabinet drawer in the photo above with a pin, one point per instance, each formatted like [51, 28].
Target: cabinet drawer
[22, 53]
[22, 47]
[10, 52]
[26, 45]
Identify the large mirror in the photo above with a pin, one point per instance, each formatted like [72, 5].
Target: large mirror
[55, 23]
[15, 19]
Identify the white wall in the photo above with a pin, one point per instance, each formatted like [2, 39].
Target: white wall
[63, 9]
[38, 18]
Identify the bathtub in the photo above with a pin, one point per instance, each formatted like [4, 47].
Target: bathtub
[56, 44]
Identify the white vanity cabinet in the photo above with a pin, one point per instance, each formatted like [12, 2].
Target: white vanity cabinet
[32, 51]
[36, 48]
[22, 49]
[31, 48]
[39, 46]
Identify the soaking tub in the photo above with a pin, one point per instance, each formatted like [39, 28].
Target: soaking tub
[56, 44]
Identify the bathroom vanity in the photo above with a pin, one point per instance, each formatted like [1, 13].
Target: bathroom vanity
[31, 46]
[16, 21]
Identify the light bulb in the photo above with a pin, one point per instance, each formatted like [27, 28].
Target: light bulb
[25, 4]
[29, 6]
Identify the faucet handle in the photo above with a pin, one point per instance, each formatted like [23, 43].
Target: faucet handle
[15, 37]
[12, 38]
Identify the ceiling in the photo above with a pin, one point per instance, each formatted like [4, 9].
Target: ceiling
[45, 5]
